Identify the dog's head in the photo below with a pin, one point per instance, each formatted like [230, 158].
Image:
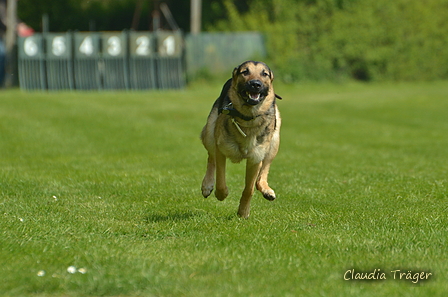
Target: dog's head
[253, 82]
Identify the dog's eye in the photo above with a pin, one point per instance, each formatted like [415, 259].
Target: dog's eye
[265, 74]
[245, 72]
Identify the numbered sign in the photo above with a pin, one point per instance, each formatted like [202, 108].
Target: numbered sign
[114, 44]
[59, 45]
[169, 44]
[87, 45]
[31, 47]
[141, 44]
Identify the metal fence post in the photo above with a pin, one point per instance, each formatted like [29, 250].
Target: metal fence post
[2, 62]
[86, 61]
[59, 61]
[114, 66]
[142, 61]
[32, 73]
[170, 72]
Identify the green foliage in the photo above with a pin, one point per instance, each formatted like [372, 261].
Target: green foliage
[365, 40]
[110, 182]
[78, 15]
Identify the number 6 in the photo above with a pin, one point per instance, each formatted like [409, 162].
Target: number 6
[30, 46]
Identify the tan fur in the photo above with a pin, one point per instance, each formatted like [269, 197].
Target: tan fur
[223, 139]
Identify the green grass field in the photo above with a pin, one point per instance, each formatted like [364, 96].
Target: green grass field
[110, 183]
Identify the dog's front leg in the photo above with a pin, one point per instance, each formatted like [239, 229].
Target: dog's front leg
[221, 191]
[252, 171]
[209, 179]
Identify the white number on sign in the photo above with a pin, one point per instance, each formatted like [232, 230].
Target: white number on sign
[114, 46]
[142, 46]
[30, 46]
[86, 46]
[169, 44]
[58, 46]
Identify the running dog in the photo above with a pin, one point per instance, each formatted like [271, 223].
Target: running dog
[244, 123]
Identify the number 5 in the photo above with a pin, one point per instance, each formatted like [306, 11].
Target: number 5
[58, 45]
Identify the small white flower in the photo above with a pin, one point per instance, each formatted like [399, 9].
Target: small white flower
[41, 273]
[21, 219]
[71, 269]
[55, 198]
[82, 270]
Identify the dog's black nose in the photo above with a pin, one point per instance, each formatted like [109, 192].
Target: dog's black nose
[255, 84]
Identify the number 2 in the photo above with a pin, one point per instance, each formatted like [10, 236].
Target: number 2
[142, 46]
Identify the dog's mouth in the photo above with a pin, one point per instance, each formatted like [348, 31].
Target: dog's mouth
[253, 98]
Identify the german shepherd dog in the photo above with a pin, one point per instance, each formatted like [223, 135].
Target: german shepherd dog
[244, 123]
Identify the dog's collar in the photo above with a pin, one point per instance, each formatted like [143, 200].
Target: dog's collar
[229, 110]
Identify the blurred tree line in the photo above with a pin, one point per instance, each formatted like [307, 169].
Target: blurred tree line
[109, 15]
[368, 40]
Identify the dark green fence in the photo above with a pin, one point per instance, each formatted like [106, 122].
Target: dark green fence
[217, 53]
[32, 73]
[129, 60]
[101, 60]
[87, 61]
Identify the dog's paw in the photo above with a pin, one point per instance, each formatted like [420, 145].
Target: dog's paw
[206, 190]
[221, 194]
[269, 194]
[244, 212]
[208, 183]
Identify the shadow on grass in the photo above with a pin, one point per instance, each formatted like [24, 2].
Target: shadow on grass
[172, 216]
[179, 215]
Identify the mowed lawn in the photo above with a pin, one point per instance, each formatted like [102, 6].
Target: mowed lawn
[109, 183]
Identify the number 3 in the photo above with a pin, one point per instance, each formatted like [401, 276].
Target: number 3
[114, 48]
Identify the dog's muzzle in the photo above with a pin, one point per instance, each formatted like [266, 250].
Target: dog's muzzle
[254, 92]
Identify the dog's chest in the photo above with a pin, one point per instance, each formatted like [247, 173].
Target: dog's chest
[249, 143]
[252, 149]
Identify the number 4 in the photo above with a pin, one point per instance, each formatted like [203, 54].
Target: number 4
[86, 46]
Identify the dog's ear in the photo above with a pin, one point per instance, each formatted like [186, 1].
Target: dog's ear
[235, 72]
[271, 74]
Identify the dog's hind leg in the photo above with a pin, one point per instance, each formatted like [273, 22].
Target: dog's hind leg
[252, 171]
[209, 179]
[221, 191]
